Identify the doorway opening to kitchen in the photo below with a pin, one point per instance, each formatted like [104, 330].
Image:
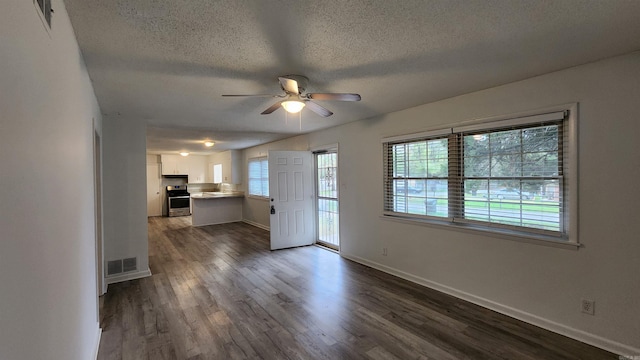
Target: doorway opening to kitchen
[327, 205]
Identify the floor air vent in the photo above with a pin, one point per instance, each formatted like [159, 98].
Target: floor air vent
[123, 265]
[129, 264]
[114, 267]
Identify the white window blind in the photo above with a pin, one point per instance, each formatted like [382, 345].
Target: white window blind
[259, 177]
[417, 177]
[505, 174]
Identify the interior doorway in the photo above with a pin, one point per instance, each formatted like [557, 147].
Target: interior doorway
[154, 196]
[327, 205]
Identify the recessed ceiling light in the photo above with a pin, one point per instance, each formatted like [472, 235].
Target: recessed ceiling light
[209, 143]
[184, 153]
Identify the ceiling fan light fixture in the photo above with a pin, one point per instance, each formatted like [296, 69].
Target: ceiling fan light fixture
[293, 106]
[209, 143]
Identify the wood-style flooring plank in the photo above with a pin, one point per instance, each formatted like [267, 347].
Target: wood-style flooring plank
[218, 292]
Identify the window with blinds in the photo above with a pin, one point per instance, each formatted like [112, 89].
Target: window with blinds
[259, 177]
[507, 174]
[418, 181]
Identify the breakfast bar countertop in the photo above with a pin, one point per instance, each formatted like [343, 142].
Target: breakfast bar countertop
[217, 195]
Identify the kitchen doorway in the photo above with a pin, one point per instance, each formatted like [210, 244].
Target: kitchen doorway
[327, 205]
[154, 195]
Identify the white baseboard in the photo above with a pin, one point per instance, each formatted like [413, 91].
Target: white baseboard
[253, 223]
[97, 347]
[585, 337]
[128, 276]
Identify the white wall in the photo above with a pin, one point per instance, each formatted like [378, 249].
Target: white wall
[125, 194]
[539, 284]
[153, 159]
[48, 300]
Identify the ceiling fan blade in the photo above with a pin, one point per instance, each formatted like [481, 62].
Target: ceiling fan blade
[289, 85]
[318, 109]
[255, 95]
[334, 96]
[272, 108]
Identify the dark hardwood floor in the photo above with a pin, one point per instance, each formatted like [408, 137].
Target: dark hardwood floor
[217, 292]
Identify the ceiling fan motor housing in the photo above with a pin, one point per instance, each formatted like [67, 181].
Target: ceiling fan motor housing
[301, 80]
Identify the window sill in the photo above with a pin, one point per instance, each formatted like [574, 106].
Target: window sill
[536, 239]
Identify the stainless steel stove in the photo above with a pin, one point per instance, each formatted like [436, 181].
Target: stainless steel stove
[178, 200]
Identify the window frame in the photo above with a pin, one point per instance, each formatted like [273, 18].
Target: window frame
[263, 177]
[318, 152]
[569, 202]
[45, 13]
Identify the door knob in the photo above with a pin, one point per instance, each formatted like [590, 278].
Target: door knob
[273, 210]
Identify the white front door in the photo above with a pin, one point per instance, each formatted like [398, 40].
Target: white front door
[291, 199]
[154, 198]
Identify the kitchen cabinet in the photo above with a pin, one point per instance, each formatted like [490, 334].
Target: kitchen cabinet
[197, 169]
[231, 163]
[174, 164]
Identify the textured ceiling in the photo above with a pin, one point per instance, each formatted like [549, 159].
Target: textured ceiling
[168, 62]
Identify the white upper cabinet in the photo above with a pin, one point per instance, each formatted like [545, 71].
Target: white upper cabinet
[174, 165]
[197, 169]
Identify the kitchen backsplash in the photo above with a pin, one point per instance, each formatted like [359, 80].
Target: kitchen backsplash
[202, 187]
[228, 187]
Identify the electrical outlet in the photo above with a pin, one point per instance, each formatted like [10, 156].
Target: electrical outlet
[588, 306]
[384, 251]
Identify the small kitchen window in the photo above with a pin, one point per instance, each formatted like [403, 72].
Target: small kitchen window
[217, 173]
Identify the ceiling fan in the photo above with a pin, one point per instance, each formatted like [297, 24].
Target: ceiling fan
[294, 98]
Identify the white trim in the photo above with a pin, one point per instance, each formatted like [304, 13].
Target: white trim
[45, 24]
[494, 232]
[128, 276]
[571, 190]
[417, 136]
[97, 343]
[334, 148]
[523, 120]
[327, 147]
[489, 119]
[218, 223]
[576, 334]
[258, 225]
